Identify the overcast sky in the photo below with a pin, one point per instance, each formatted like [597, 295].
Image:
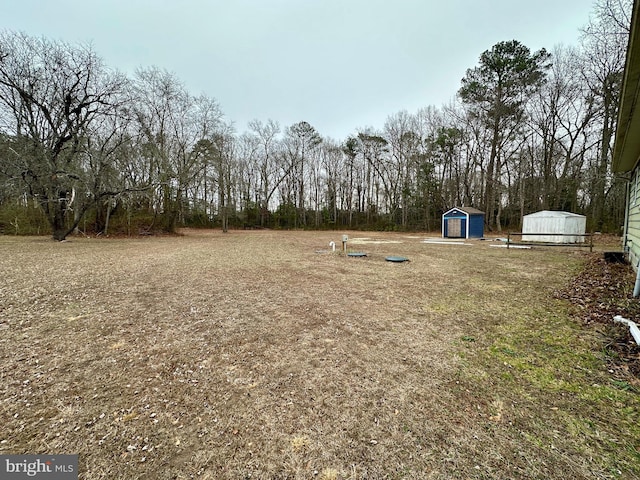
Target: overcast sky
[340, 65]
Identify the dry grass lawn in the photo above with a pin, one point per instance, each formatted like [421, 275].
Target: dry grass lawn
[262, 355]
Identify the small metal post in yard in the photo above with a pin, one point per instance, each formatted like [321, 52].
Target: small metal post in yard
[591, 242]
[508, 239]
[345, 238]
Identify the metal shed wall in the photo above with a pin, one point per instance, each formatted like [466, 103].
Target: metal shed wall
[549, 222]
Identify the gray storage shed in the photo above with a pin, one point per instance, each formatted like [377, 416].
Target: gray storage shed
[540, 227]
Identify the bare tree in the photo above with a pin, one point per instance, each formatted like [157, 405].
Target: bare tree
[269, 173]
[400, 131]
[496, 91]
[559, 114]
[172, 123]
[51, 94]
[373, 148]
[106, 155]
[302, 140]
[222, 148]
[333, 166]
[604, 46]
[354, 178]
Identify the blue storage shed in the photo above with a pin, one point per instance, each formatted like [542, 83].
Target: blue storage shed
[463, 222]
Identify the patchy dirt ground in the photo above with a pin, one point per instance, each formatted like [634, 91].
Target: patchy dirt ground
[252, 355]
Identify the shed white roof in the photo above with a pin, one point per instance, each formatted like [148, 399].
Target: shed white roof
[553, 214]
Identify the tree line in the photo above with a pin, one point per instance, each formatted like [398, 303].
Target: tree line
[84, 147]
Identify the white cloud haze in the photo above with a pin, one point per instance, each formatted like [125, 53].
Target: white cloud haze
[338, 64]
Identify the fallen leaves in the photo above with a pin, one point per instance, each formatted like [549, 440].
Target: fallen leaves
[598, 293]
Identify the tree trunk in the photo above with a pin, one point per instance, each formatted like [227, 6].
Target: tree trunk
[222, 205]
[106, 220]
[607, 132]
[55, 210]
[490, 189]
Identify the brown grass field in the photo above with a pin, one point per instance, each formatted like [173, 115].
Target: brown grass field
[260, 354]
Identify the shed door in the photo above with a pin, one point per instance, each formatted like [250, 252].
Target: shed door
[454, 227]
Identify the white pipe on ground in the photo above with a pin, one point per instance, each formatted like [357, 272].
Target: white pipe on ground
[333, 245]
[633, 327]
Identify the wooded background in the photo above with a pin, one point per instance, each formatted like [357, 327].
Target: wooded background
[85, 147]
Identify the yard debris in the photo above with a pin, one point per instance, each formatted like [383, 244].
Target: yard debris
[598, 293]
